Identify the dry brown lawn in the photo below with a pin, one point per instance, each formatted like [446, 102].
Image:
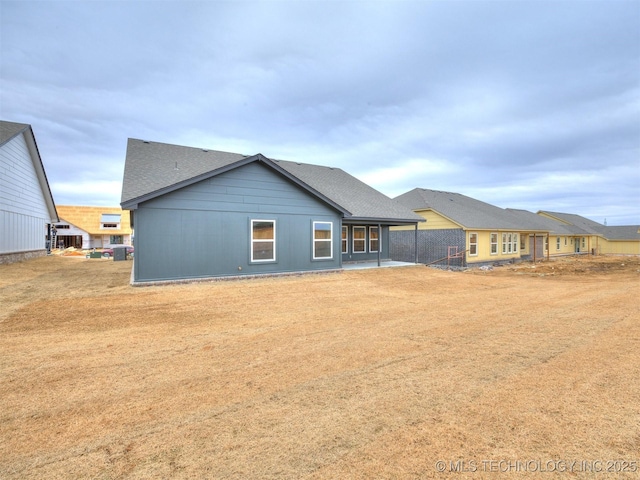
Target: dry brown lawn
[381, 373]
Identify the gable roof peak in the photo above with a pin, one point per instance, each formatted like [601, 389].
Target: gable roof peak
[149, 173]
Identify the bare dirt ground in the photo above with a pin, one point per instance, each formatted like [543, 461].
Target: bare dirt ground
[386, 373]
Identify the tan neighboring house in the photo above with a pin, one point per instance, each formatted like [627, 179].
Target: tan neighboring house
[87, 228]
[561, 239]
[587, 236]
[463, 231]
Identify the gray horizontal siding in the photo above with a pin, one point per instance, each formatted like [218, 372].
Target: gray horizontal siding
[201, 231]
[232, 192]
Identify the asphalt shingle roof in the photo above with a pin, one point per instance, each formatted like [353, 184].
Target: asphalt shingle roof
[586, 225]
[622, 232]
[465, 211]
[152, 169]
[8, 130]
[538, 222]
[579, 225]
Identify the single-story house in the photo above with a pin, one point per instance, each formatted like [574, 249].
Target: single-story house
[27, 209]
[200, 213]
[462, 231]
[84, 227]
[561, 239]
[589, 236]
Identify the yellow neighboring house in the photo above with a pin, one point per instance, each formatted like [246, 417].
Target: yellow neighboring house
[92, 227]
[587, 236]
[461, 231]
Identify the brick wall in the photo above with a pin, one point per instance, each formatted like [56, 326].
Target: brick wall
[432, 246]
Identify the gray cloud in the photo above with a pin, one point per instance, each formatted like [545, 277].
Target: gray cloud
[527, 104]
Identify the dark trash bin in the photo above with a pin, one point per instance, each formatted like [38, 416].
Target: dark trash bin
[119, 253]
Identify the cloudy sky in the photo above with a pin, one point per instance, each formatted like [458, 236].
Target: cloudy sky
[521, 104]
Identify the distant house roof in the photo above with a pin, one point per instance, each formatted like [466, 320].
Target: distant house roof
[10, 130]
[467, 212]
[587, 226]
[579, 225]
[90, 219]
[623, 232]
[538, 222]
[153, 169]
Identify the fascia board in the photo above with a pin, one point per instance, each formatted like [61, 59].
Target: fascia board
[386, 221]
[40, 173]
[544, 213]
[133, 203]
[444, 216]
[301, 184]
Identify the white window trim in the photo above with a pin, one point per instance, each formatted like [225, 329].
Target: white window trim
[371, 239]
[314, 240]
[515, 243]
[353, 240]
[107, 226]
[263, 260]
[504, 243]
[476, 244]
[497, 236]
[344, 241]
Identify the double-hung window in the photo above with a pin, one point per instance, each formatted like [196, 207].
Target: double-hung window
[473, 244]
[374, 239]
[515, 243]
[494, 244]
[359, 239]
[345, 239]
[322, 240]
[263, 240]
[504, 243]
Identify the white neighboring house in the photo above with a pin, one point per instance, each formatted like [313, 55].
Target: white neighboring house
[27, 209]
